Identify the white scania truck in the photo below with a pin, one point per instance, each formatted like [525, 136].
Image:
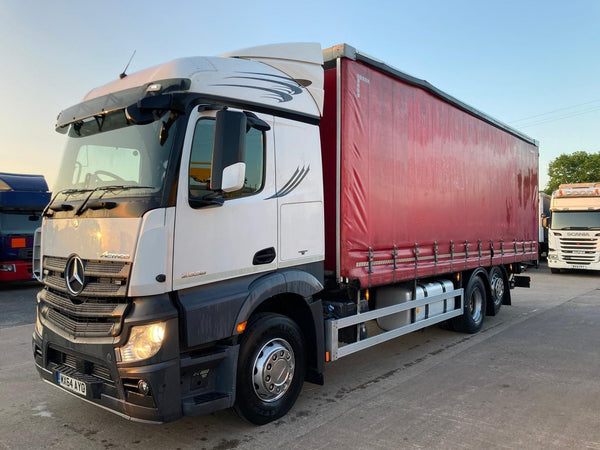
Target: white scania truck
[223, 226]
[574, 227]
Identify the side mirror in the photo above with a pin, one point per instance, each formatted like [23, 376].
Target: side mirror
[233, 177]
[546, 222]
[229, 146]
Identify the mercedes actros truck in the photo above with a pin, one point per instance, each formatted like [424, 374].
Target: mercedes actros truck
[224, 227]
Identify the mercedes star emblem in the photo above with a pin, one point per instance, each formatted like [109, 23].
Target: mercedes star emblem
[74, 275]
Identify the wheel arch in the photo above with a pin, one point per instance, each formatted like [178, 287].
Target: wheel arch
[290, 293]
[483, 274]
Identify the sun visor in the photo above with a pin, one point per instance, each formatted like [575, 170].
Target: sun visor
[116, 101]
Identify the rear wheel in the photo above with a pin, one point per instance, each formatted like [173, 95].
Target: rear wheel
[497, 289]
[474, 309]
[271, 368]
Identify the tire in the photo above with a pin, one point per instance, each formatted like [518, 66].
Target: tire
[271, 368]
[498, 291]
[474, 309]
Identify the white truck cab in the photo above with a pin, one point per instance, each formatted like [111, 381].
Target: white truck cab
[574, 227]
[174, 216]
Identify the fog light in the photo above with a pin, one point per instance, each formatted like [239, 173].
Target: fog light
[143, 387]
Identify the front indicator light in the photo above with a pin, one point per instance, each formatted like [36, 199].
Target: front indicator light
[144, 342]
[241, 327]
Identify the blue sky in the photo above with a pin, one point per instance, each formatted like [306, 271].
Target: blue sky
[514, 60]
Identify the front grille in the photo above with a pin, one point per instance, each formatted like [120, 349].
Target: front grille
[91, 308]
[102, 288]
[103, 278]
[97, 268]
[81, 329]
[579, 250]
[98, 310]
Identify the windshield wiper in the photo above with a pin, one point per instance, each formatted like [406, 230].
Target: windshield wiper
[575, 228]
[62, 206]
[105, 205]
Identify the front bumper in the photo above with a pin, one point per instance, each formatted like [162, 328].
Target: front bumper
[558, 260]
[108, 385]
[189, 384]
[22, 271]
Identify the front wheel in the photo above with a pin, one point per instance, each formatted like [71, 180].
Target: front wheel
[474, 309]
[271, 368]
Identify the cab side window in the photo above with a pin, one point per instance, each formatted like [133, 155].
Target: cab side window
[201, 158]
[201, 161]
[254, 159]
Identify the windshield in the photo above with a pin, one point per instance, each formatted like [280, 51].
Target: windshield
[107, 151]
[15, 223]
[576, 220]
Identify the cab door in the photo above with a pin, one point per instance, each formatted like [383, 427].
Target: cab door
[215, 242]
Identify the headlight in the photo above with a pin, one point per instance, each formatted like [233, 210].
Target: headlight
[144, 342]
[8, 268]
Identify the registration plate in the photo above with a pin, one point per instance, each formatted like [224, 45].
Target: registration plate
[72, 384]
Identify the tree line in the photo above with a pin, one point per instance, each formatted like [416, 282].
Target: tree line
[578, 167]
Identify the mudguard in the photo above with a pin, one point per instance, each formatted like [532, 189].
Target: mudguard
[285, 282]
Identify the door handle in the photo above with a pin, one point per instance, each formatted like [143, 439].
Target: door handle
[264, 256]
